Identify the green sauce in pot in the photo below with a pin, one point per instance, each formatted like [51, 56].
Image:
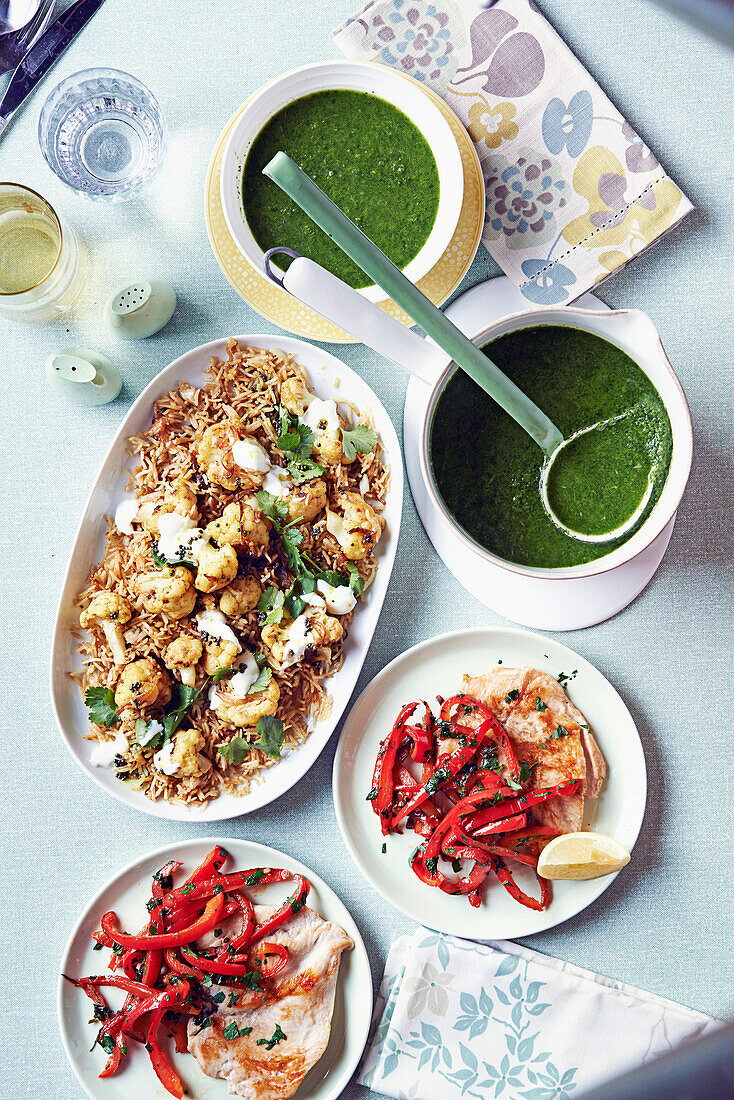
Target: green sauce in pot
[367, 156]
[487, 468]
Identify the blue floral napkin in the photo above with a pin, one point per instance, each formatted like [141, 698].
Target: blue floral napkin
[573, 193]
[458, 1019]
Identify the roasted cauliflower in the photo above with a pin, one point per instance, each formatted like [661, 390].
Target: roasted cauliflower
[181, 500]
[295, 396]
[240, 596]
[111, 612]
[214, 452]
[167, 591]
[247, 712]
[217, 566]
[183, 654]
[182, 756]
[358, 529]
[241, 524]
[307, 500]
[143, 683]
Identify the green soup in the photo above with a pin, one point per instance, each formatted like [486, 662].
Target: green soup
[367, 156]
[487, 468]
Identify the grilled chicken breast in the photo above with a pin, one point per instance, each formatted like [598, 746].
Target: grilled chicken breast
[513, 695]
[299, 1001]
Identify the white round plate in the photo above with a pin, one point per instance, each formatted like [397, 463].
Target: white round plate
[330, 378]
[436, 667]
[127, 894]
[539, 603]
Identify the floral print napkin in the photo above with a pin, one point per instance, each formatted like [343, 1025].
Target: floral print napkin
[573, 193]
[458, 1019]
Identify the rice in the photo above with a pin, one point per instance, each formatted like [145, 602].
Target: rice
[246, 385]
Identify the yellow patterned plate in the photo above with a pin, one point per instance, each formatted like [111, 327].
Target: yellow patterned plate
[278, 306]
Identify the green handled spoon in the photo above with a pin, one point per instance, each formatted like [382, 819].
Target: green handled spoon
[283, 171]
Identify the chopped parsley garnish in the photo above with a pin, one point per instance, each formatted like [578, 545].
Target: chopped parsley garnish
[559, 731]
[118, 949]
[100, 1013]
[439, 776]
[251, 980]
[107, 1043]
[358, 439]
[384, 849]
[563, 677]
[512, 695]
[207, 980]
[254, 878]
[540, 706]
[456, 865]
[432, 865]
[233, 999]
[217, 998]
[101, 704]
[526, 771]
[489, 760]
[372, 795]
[275, 1038]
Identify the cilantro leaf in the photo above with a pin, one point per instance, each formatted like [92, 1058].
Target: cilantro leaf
[270, 604]
[147, 735]
[235, 751]
[276, 510]
[271, 737]
[356, 581]
[540, 706]
[222, 674]
[261, 682]
[101, 704]
[292, 538]
[294, 602]
[169, 563]
[360, 438]
[304, 469]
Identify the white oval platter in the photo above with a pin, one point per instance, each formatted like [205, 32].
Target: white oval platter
[330, 378]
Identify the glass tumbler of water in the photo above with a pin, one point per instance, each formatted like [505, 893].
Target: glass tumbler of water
[42, 261]
[101, 131]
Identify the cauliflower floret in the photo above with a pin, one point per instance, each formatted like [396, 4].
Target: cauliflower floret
[327, 449]
[183, 654]
[183, 757]
[291, 639]
[182, 501]
[248, 711]
[240, 596]
[168, 591]
[240, 524]
[143, 683]
[217, 566]
[359, 530]
[214, 451]
[307, 500]
[111, 612]
[218, 653]
[295, 396]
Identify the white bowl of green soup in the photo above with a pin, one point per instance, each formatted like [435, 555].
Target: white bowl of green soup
[580, 367]
[373, 140]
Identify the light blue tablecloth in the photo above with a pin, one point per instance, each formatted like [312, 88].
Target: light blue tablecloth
[666, 922]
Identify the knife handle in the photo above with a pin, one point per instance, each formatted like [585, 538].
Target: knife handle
[45, 52]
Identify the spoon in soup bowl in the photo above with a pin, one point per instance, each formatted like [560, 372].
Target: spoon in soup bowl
[327, 215]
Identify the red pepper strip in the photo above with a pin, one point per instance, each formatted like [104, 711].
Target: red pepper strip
[289, 908]
[481, 852]
[225, 884]
[518, 804]
[500, 827]
[164, 1071]
[176, 1026]
[113, 1028]
[90, 984]
[467, 885]
[152, 967]
[475, 898]
[166, 871]
[503, 874]
[443, 773]
[210, 865]
[175, 994]
[422, 737]
[242, 938]
[412, 786]
[270, 948]
[179, 967]
[382, 778]
[203, 924]
[128, 964]
[236, 967]
[497, 728]
[534, 832]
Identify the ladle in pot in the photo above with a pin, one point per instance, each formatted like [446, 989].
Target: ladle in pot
[283, 171]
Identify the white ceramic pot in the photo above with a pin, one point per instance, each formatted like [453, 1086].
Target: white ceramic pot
[629, 329]
[359, 76]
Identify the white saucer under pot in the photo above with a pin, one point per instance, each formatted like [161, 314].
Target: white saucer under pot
[542, 601]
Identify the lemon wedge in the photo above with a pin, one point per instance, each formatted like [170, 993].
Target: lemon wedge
[582, 856]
